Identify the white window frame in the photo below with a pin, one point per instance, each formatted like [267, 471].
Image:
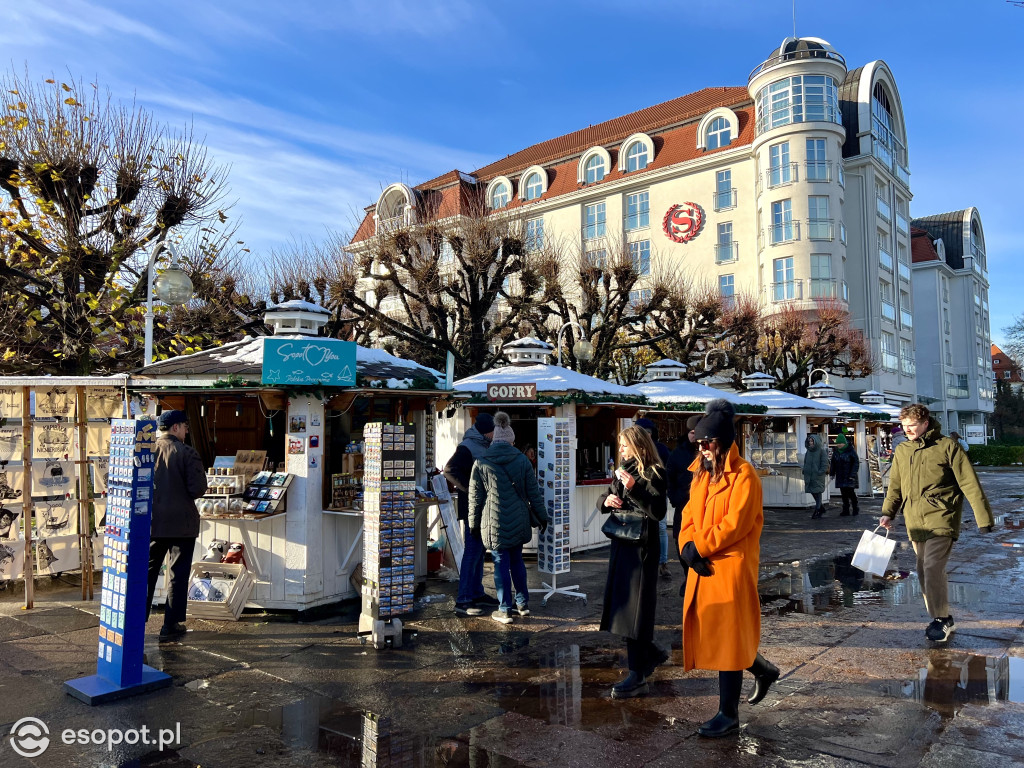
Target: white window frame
[581, 168]
[600, 223]
[627, 146]
[524, 182]
[641, 218]
[492, 187]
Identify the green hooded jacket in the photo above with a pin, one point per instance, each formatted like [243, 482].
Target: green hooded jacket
[928, 481]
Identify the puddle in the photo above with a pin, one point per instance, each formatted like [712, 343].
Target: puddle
[953, 680]
[166, 759]
[1014, 520]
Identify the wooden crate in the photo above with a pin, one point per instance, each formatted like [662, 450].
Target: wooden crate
[225, 610]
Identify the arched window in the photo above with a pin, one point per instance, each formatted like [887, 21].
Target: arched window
[594, 169]
[636, 157]
[719, 133]
[534, 187]
[499, 195]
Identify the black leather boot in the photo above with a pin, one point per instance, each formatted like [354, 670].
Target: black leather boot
[727, 720]
[635, 684]
[765, 674]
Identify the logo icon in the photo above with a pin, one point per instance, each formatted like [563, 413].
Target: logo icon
[30, 737]
[682, 223]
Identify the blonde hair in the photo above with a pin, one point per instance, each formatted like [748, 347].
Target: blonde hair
[641, 445]
[915, 411]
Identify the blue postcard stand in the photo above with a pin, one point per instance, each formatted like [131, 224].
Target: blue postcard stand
[119, 668]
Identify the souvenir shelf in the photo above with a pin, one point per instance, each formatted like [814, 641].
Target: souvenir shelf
[773, 448]
[223, 485]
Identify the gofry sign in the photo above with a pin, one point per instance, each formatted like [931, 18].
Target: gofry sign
[511, 392]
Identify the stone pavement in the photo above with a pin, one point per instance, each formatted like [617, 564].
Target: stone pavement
[860, 686]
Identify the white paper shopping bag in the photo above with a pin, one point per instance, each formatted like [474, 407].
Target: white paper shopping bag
[873, 552]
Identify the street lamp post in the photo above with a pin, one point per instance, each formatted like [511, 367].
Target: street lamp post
[810, 376]
[582, 350]
[172, 287]
[711, 352]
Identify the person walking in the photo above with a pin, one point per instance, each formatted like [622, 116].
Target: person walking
[845, 468]
[663, 454]
[931, 474]
[505, 504]
[815, 472]
[679, 475]
[631, 587]
[720, 543]
[471, 600]
[179, 478]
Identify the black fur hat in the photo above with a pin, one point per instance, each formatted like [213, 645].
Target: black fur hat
[718, 423]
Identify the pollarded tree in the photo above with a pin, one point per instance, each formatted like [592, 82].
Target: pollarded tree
[1014, 346]
[87, 187]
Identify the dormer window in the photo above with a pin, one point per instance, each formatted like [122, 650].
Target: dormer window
[594, 170]
[636, 158]
[499, 193]
[719, 134]
[594, 165]
[533, 183]
[717, 129]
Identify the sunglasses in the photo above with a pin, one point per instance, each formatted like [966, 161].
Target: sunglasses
[703, 445]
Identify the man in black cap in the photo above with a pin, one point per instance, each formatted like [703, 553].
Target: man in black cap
[472, 600]
[178, 480]
[679, 474]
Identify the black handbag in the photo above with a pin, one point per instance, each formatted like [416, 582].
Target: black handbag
[626, 527]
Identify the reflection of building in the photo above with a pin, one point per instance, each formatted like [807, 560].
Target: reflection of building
[951, 301]
[793, 189]
[952, 680]
[1005, 368]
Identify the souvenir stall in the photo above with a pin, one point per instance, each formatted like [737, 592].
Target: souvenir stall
[774, 445]
[879, 438]
[54, 452]
[572, 421]
[279, 423]
[861, 423]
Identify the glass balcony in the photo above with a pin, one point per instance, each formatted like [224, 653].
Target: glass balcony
[885, 259]
[884, 209]
[781, 175]
[945, 327]
[846, 291]
[906, 319]
[824, 287]
[820, 229]
[902, 225]
[725, 199]
[788, 290]
[818, 171]
[907, 366]
[785, 232]
[889, 361]
[904, 271]
[888, 311]
[726, 252]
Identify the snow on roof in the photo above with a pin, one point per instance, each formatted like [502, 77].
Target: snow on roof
[528, 342]
[785, 402]
[298, 305]
[850, 408]
[667, 363]
[548, 378]
[683, 392]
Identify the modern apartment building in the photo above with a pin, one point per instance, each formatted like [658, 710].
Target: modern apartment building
[793, 188]
[954, 354]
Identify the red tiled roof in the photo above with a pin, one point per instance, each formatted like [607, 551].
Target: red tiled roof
[921, 246]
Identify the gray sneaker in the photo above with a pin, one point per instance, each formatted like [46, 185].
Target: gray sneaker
[522, 609]
[468, 609]
[502, 617]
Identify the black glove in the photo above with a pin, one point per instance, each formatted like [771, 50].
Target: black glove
[984, 529]
[693, 558]
[543, 527]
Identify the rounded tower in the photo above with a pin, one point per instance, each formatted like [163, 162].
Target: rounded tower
[798, 148]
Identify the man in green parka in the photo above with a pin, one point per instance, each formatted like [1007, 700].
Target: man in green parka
[930, 476]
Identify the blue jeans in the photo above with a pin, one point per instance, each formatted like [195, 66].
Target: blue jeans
[471, 570]
[509, 572]
[663, 537]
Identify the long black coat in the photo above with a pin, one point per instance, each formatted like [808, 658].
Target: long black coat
[846, 467]
[631, 591]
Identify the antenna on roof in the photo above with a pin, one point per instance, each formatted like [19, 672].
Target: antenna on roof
[794, 18]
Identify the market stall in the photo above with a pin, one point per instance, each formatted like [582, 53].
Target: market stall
[279, 422]
[591, 412]
[879, 439]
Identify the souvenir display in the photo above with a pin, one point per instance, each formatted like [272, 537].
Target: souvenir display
[97, 440]
[8, 522]
[12, 560]
[53, 477]
[104, 403]
[389, 534]
[59, 402]
[52, 441]
[57, 554]
[12, 444]
[235, 553]
[554, 474]
[11, 403]
[100, 470]
[11, 480]
[56, 518]
[215, 551]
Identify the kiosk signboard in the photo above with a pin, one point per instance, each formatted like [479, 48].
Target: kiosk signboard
[309, 361]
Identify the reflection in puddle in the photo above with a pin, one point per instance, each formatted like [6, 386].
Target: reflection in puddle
[952, 680]
[1014, 520]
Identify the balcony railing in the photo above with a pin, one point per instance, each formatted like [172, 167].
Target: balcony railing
[818, 171]
[807, 289]
[904, 271]
[725, 199]
[907, 366]
[786, 56]
[788, 290]
[781, 175]
[902, 225]
[884, 209]
[726, 252]
[820, 229]
[823, 288]
[785, 232]
[885, 259]
[888, 310]
[906, 319]
[889, 361]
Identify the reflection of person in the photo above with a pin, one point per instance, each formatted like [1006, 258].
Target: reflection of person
[504, 503]
[531, 453]
[663, 454]
[845, 468]
[680, 476]
[178, 480]
[471, 600]
[931, 474]
[720, 542]
[631, 589]
[815, 472]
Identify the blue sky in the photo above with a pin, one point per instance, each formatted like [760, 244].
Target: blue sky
[319, 105]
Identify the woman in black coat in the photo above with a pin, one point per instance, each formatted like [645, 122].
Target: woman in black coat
[631, 591]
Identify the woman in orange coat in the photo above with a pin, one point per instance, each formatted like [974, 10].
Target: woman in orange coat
[720, 542]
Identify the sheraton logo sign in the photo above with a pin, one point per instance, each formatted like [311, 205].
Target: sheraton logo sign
[511, 391]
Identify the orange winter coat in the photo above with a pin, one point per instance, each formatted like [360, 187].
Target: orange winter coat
[721, 612]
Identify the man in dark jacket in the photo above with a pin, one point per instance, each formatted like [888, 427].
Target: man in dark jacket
[680, 476]
[663, 454]
[929, 478]
[472, 600]
[845, 468]
[178, 480]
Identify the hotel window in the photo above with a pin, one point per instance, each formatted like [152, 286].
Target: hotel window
[890, 362]
[817, 163]
[907, 365]
[638, 298]
[594, 169]
[782, 229]
[888, 299]
[499, 196]
[719, 134]
[636, 157]
[598, 257]
[638, 211]
[819, 225]
[783, 286]
[534, 234]
[725, 248]
[725, 195]
[640, 255]
[594, 221]
[822, 284]
[796, 100]
[534, 187]
[727, 289]
[780, 171]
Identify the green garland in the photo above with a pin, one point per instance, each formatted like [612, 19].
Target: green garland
[587, 398]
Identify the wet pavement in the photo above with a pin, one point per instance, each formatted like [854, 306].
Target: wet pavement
[860, 684]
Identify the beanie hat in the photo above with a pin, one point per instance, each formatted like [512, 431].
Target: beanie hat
[718, 423]
[168, 419]
[650, 426]
[502, 430]
[841, 440]
[484, 423]
[691, 423]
